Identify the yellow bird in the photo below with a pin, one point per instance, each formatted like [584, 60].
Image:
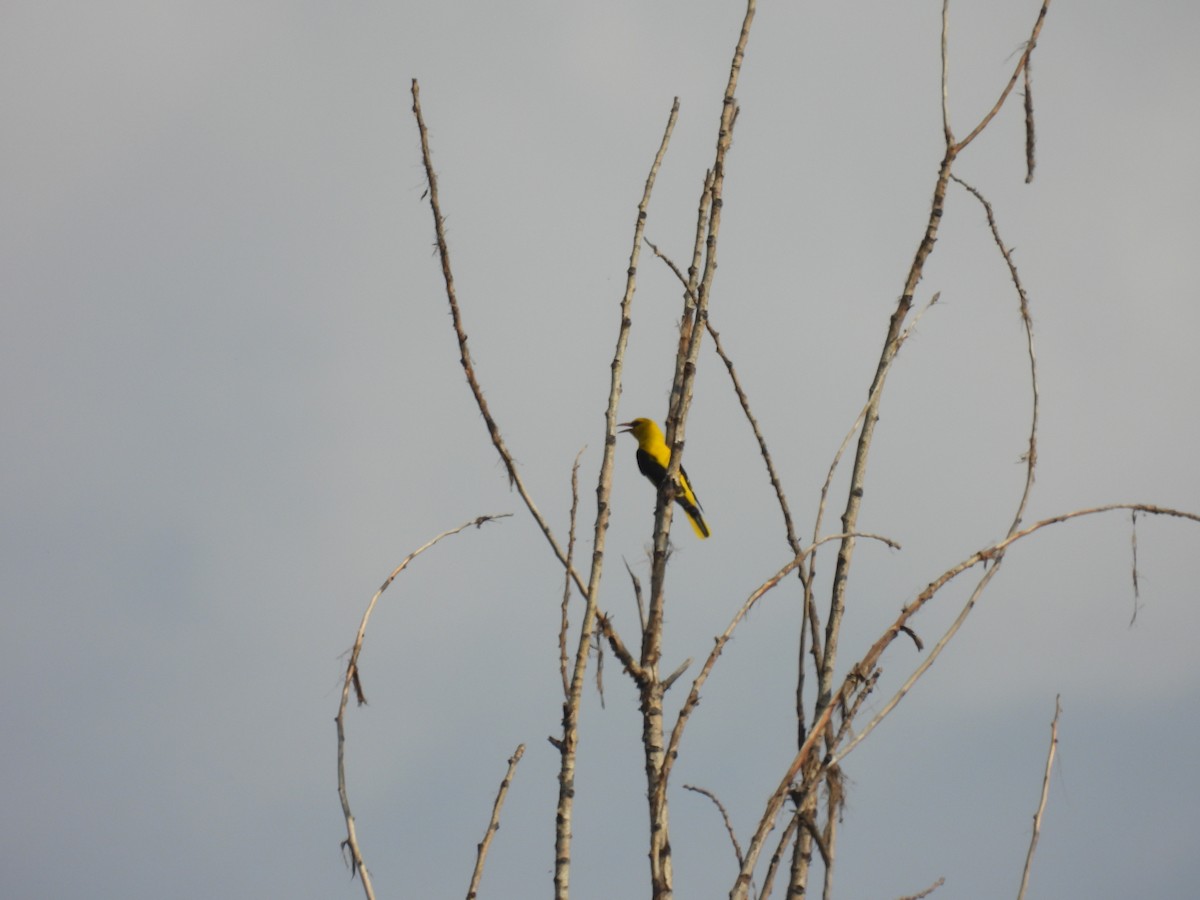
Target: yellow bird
[653, 455]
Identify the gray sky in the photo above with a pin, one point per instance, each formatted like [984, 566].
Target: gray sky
[232, 404]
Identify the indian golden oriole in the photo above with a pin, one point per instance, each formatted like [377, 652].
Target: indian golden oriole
[653, 455]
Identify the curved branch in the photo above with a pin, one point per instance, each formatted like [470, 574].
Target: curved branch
[350, 844]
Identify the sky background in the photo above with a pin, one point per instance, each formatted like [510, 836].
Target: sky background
[232, 403]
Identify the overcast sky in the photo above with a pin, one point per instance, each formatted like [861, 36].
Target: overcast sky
[232, 403]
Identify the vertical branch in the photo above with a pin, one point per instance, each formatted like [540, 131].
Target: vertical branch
[946, 130]
[833, 808]
[1037, 817]
[802, 849]
[564, 622]
[1030, 136]
[1133, 547]
[569, 744]
[691, 331]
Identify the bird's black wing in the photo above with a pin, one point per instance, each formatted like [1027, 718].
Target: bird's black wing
[650, 467]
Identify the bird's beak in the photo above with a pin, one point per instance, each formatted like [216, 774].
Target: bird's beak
[625, 427]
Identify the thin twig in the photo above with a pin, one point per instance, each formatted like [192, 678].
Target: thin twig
[1133, 547]
[865, 426]
[506, 457]
[676, 673]
[737, 848]
[481, 848]
[1037, 29]
[1037, 816]
[870, 679]
[564, 622]
[350, 844]
[598, 649]
[637, 595]
[1031, 454]
[1030, 136]
[1030, 457]
[925, 893]
[862, 414]
[946, 131]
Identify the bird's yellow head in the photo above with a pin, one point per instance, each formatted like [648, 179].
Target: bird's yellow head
[642, 429]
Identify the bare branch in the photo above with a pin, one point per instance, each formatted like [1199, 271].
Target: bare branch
[744, 400]
[810, 629]
[737, 848]
[510, 465]
[772, 474]
[481, 849]
[599, 650]
[1031, 455]
[564, 622]
[1037, 816]
[1133, 547]
[946, 130]
[570, 739]
[620, 651]
[827, 843]
[858, 475]
[777, 856]
[987, 554]
[350, 844]
[693, 698]
[868, 663]
[862, 414]
[674, 676]
[1037, 29]
[657, 765]
[1030, 135]
[637, 595]
[925, 893]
